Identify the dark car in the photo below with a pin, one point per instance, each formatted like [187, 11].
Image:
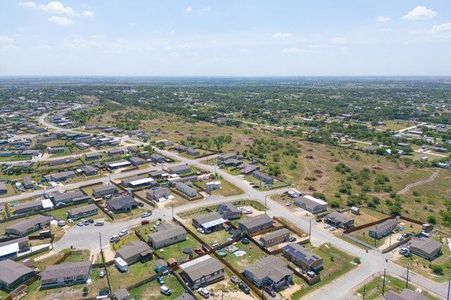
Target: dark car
[244, 288]
[270, 291]
[245, 241]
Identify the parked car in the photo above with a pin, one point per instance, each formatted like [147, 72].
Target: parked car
[146, 214]
[160, 280]
[61, 223]
[115, 238]
[123, 232]
[234, 279]
[292, 239]
[245, 241]
[270, 291]
[326, 226]
[99, 223]
[102, 273]
[200, 230]
[332, 228]
[140, 204]
[104, 293]
[204, 293]
[86, 222]
[80, 224]
[90, 221]
[244, 288]
[145, 222]
[165, 290]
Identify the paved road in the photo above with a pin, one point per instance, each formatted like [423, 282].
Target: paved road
[372, 262]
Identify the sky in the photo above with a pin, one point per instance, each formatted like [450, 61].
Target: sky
[225, 38]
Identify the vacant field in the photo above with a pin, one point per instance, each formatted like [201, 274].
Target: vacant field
[227, 189]
[373, 289]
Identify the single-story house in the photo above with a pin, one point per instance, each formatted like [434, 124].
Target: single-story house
[28, 206]
[180, 169]
[121, 294]
[13, 274]
[210, 222]
[104, 190]
[270, 271]
[88, 170]
[115, 152]
[135, 251]
[136, 161]
[185, 189]
[226, 156]
[167, 234]
[27, 182]
[82, 212]
[425, 247]
[157, 158]
[275, 237]
[117, 164]
[60, 176]
[337, 219]
[62, 161]
[255, 224]
[405, 294]
[228, 211]
[138, 181]
[202, 271]
[69, 197]
[93, 156]
[265, 178]
[248, 169]
[27, 226]
[66, 274]
[378, 231]
[311, 204]
[158, 193]
[122, 203]
[11, 248]
[303, 257]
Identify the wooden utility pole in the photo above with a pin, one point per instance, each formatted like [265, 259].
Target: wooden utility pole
[383, 284]
[407, 277]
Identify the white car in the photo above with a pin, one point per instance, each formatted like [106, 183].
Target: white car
[332, 228]
[204, 292]
[165, 290]
[123, 232]
[326, 226]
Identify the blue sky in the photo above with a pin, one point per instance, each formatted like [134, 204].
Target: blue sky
[225, 38]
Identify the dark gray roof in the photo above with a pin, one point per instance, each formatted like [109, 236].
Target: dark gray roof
[338, 217]
[273, 267]
[299, 252]
[66, 270]
[274, 234]
[10, 271]
[385, 226]
[134, 248]
[202, 219]
[66, 196]
[121, 201]
[166, 231]
[28, 204]
[82, 209]
[27, 224]
[256, 221]
[425, 244]
[406, 294]
[201, 266]
[122, 294]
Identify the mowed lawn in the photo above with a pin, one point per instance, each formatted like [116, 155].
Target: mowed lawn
[136, 273]
[253, 254]
[151, 290]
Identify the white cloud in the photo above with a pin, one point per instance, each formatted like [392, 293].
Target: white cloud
[80, 44]
[62, 21]
[27, 4]
[420, 13]
[43, 47]
[189, 9]
[172, 31]
[292, 50]
[382, 19]
[87, 13]
[6, 41]
[339, 40]
[278, 35]
[441, 28]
